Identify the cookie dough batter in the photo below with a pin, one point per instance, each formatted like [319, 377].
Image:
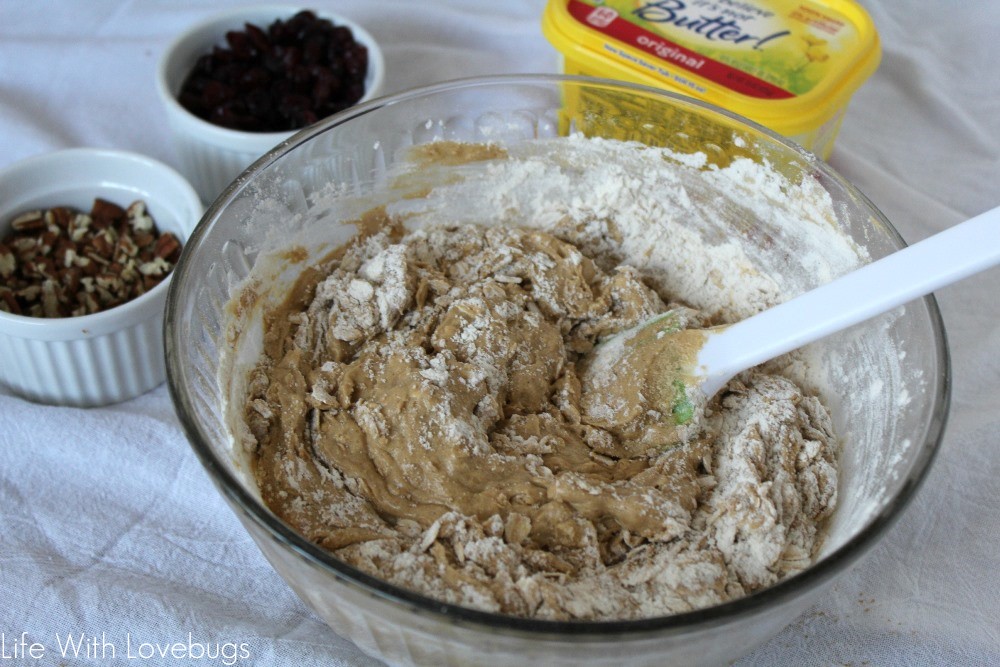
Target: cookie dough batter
[419, 412]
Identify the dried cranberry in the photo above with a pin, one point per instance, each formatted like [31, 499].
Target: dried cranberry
[257, 36]
[240, 44]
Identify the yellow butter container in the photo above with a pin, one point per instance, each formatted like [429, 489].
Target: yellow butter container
[790, 65]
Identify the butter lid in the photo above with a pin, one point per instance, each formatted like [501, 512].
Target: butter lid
[788, 64]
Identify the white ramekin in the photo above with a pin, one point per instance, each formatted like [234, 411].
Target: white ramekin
[115, 354]
[212, 156]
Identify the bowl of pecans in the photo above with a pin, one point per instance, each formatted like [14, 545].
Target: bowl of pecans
[88, 241]
[241, 82]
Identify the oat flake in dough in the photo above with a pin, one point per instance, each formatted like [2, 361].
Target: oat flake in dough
[420, 416]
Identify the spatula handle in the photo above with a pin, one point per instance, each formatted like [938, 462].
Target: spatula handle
[944, 258]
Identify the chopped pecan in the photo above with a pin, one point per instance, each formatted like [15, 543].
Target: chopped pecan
[51, 298]
[30, 293]
[47, 239]
[158, 267]
[105, 213]
[90, 304]
[167, 247]
[8, 261]
[79, 227]
[97, 258]
[126, 248]
[24, 244]
[71, 279]
[32, 221]
[129, 272]
[141, 222]
[64, 252]
[8, 301]
[145, 239]
[59, 218]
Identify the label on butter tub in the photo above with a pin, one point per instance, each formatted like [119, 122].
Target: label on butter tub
[765, 50]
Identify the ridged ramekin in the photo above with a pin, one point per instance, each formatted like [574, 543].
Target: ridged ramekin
[213, 156]
[109, 356]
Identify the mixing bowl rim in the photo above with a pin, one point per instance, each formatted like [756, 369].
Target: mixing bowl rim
[705, 618]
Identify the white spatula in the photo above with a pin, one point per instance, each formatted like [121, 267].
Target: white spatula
[711, 357]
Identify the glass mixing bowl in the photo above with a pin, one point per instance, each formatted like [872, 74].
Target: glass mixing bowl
[889, 409]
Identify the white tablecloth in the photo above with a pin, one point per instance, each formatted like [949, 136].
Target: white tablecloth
[109, 525]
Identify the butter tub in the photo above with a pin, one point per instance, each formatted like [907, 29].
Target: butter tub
[790, 65]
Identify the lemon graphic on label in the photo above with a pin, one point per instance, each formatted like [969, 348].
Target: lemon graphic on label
[814, 49]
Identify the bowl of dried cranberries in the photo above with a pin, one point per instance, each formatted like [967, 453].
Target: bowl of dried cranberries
[88, 242]
[241, 82]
